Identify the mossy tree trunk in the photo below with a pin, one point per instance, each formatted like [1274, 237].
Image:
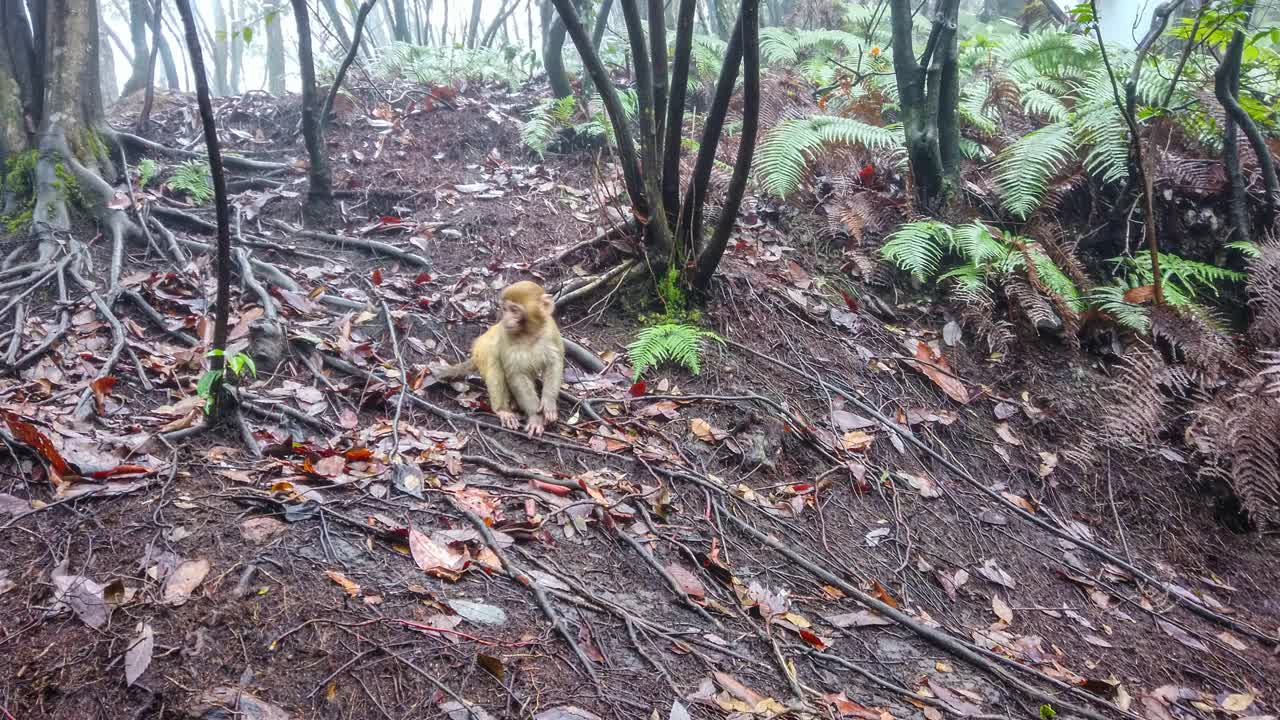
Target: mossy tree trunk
[51, 108]
[320, 184]
[275, 49]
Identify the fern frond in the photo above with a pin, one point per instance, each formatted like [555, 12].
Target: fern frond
[1109, 299]
[545, 120]
[147, 170]
[1024, 168]
[976, 243]
[1039, 102]
[918, 247]
[670, 342]
[1182, 275]
[786, 150]
[192, 178]
[1102, 128]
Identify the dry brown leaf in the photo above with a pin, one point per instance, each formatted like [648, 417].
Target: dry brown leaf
[348, 586]
[935, 367]
[184, 579]
[1001, 609]
[436, 558]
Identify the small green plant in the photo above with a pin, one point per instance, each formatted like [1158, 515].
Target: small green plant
[192, 178]
[146, 172]
[1047, 712]
[240, 365]
[20, 174]
[669, 342]
[545, 120]
[20, 220]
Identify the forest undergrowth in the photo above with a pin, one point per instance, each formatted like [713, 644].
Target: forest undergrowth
[903, 465]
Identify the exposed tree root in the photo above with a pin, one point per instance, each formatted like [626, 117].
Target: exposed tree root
[375, 247]
[137, 142]
[117, 337]
[581, 287]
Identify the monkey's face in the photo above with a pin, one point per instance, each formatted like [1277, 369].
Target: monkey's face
[513, 316]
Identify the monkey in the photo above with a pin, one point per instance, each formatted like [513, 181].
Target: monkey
[524, 347]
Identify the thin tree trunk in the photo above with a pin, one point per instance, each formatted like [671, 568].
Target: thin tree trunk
[171, 77]
[320, 185]
[597, 37]
[1227, 90]
[236, 73]
[221, 48]
[144, 117]
[106, 67]
[139, 13]
[363, 13]
[658, 61]
[473, 27]
[275, 49]
[553, 60]
[335, 19]
[659, 232]
[709, 256]
[499, 22]
[675, 110]
[400, 21]
[222, 307]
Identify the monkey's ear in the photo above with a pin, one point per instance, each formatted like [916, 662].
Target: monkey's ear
[548, 304]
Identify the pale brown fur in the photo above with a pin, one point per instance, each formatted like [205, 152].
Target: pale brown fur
[522, 349]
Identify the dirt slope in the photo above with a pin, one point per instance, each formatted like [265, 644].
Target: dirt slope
[706, 542]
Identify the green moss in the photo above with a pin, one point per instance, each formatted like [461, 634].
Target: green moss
[20, 174]
[91, 141]
[67, 185]
[20, 221]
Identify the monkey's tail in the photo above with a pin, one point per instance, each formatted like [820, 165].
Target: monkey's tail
[454, 371]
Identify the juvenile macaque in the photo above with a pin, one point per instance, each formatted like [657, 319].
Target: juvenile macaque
[514, 355]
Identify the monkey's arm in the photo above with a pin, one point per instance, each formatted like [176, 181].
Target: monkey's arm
[552, 379]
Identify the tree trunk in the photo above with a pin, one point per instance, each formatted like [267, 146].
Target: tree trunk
[107, 65]
[597, 36]
[275, 49]
[320, 184]
[553, 61]
[139, 14]
[1227, 89]
[235, 74]
[401, 21]
[217, 359]
[144, 117]
[928, 91]
[335, 19]
[171, 78]
[221, 48]
[473, 27]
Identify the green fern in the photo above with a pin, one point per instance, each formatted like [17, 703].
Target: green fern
[1110, 300]
[670, 342]
[192, 178]
[146, 172]
[919, 247]
[1024, 168]
[785, 152]
[1183, 279]
[545, 120]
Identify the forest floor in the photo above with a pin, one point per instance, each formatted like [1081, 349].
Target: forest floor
[748, 542]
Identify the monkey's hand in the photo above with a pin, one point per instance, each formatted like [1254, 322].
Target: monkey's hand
[509, 419]
[549, 411]
[534, 427]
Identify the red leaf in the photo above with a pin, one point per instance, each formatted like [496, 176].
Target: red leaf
[638, 389]
[867, 173]
[424, 303]
[848, 300]
[358, 454]
[423, 278]
[812, 639]
[377, 276]
[389, 220]
[27, 434]
[553, 489]
[101, 389]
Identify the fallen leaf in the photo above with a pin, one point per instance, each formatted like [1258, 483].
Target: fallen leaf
[858, 618]
[436, 558]
[138, 657]
[1002, 429]
[1237, 702]
[479, 613]
[845, 421]
[183, 580]
[935, 367]
[991, 571]
[566, 712]
[1232, 640]
[1181, 635]
[1001, 609]
[348, 586]
[706, 432]
[688, 582]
